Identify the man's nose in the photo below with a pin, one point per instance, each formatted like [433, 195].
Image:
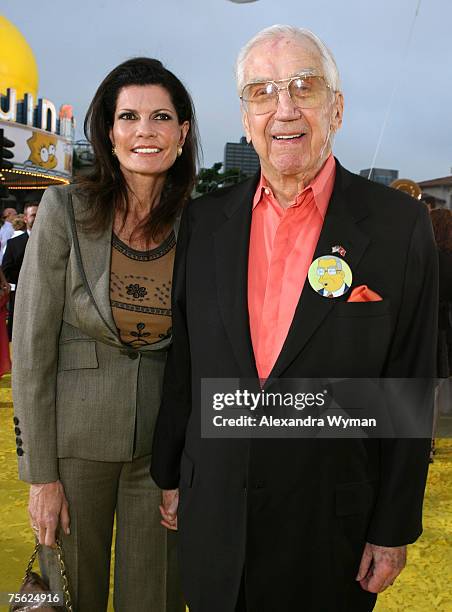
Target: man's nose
[286, 109]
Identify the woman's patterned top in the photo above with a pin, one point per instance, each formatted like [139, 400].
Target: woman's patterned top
[140, 291]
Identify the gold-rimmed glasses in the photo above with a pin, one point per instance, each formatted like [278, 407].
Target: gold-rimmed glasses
[306, 90]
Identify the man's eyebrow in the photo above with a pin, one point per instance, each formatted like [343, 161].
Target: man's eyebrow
[302, 72]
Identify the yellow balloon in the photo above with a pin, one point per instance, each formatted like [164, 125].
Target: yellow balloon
[18, 68]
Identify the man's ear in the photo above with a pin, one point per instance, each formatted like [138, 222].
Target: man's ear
[338, 112]
[246, 125]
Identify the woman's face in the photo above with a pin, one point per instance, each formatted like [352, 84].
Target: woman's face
[146, 132]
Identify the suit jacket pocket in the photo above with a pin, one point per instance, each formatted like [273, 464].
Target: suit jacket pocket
[362, 309]
[77, 355]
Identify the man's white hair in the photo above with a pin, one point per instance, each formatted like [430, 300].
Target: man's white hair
[330, 70]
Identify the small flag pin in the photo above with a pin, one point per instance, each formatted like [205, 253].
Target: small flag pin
[338, 249]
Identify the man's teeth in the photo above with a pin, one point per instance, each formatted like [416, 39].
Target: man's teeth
[147, 150]
[290, 137]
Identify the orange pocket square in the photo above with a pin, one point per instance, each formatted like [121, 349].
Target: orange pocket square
[364, 294]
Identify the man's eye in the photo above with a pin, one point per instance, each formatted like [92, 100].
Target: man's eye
[127, 116]
[263, 90]
[301, 85]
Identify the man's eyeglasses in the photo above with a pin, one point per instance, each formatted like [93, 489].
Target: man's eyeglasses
[323, 271]
[305, 91]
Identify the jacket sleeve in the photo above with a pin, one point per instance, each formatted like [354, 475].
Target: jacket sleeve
[10, 265]
[37, 322]
[169, 435]
[397, 518]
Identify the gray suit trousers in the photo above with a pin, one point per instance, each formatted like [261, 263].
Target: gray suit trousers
[146, 575]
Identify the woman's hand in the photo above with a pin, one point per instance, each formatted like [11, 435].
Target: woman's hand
[168, 509]
[47, 508]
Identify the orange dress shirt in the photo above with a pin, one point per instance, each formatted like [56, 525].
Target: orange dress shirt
[282, 244]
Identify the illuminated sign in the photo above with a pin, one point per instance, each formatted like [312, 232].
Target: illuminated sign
[43, 116]
[42, 138]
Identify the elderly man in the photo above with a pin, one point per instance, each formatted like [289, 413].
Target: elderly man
[281, 525]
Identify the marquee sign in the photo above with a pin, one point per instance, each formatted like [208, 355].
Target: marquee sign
[42, 140]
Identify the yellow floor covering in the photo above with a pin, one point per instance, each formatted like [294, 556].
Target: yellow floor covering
[424, 586]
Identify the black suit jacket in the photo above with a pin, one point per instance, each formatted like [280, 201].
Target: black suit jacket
[13, 257]
[294, 514]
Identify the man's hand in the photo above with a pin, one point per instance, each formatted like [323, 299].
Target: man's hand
[47, 508]
[168, 509]
[380, 566]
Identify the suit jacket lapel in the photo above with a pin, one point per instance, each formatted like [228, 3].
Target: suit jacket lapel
[231, 259]
[95, 255]
[339, 228]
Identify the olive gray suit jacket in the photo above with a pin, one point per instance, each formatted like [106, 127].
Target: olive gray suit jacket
[77, 388]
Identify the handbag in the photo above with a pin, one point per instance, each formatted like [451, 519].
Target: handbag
[35, 590]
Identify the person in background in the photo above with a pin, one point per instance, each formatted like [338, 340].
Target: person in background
[442, 229]
[5, 362]
[89, 353]
[14, 256]
[19, 225]
[6, 229]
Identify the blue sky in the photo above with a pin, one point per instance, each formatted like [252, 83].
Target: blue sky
[76, 44]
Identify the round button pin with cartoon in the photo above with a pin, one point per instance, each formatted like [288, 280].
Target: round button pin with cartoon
[330, 276]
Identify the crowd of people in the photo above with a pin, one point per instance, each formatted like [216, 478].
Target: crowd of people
[114, 328]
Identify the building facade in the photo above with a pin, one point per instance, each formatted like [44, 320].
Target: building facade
[241, 156]
[380, 175]
[441, 189]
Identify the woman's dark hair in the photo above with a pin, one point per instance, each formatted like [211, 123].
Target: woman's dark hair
[106, 187]
[442, 228]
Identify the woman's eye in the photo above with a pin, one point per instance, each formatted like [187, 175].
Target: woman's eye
[127, 116]
[163, 116]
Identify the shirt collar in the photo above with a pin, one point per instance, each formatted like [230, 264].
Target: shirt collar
[321, 186]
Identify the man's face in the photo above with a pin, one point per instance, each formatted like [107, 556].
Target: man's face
[329, 276]
[304, 155]
[9, 214]
[30, 216]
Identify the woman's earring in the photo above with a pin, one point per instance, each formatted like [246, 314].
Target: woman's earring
[179, 151]
[113, 151]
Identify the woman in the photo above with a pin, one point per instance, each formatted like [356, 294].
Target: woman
[19, 225]
[89, 353]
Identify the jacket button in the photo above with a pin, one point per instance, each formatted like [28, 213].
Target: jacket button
[17, 431]
[16, 421]
[19, 441]
[132, 354]
[20, 451]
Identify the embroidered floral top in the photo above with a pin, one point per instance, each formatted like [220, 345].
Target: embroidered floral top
[140, 291]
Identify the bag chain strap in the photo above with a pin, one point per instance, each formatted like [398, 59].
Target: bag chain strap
[59, 554]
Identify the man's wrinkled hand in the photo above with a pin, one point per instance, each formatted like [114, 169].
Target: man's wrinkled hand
[380, 566]
[168, 509]
[48, 507]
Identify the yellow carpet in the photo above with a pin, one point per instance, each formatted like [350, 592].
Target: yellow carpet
[424, 586]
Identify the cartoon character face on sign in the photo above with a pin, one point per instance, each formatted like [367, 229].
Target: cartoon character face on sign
[42, 150]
